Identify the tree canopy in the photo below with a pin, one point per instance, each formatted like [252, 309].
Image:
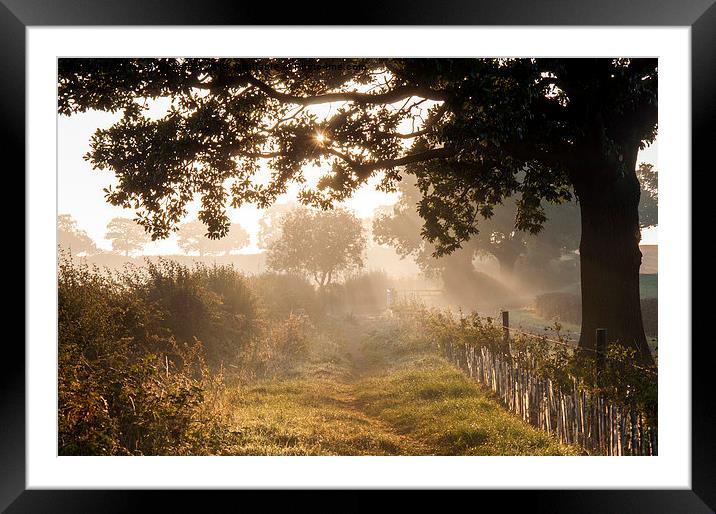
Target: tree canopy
[73, 238]
[322, 245]
[487, 119]
[649, 199]
[499, 237]
[126, 235]
[192, 237]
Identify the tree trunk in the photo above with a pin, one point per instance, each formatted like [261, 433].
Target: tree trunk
[610, 259]
[507, 252]
[507, 262]
[458, 274]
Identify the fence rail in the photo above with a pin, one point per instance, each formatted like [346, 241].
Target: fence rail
[574, 415]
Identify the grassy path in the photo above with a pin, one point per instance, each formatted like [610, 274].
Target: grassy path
[362, 393]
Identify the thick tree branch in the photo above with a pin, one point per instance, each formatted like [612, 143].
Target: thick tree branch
[556, 156]
[365, 169]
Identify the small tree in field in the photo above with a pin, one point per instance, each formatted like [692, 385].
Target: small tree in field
[71, 237]
[318, 244]
[192, 238]
[649, 198]
[126, 235]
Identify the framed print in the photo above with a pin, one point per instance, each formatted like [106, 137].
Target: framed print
[419, 251]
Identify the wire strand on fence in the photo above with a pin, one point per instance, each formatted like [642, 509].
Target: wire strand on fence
[567, 344]
[578, 348]
[555, 341]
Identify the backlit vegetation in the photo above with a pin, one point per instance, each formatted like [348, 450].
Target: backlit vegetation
[171, 360]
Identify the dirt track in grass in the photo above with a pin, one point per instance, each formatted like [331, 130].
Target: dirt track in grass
[366, 391]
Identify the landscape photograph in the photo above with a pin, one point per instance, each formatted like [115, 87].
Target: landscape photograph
[357, 256]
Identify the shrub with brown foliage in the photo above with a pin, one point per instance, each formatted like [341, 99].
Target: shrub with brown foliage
[135, 353]
[126, 385]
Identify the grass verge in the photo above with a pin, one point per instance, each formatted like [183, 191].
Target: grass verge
[368, 393]
[428, 399]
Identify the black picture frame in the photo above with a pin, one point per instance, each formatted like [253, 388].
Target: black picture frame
[700, 15]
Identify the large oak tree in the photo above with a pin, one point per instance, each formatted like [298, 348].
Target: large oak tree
[473, 131]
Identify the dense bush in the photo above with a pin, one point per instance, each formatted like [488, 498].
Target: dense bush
[282, 295]
[563, 306]
[365, 293]
[211, 304]
[126, 385]
[143, 352]
[283, 345]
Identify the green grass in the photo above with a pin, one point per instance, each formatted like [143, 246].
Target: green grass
[365, 391]
[310, 417]
[649, 286]
[526, 319]
[428, 399]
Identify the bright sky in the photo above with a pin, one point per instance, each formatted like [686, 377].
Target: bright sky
[80, 187]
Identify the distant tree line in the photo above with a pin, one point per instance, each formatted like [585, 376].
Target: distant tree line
[128, 237]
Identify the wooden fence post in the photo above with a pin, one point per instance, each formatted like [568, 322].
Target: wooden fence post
[601, 349]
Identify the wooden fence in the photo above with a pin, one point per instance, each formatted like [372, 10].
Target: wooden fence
[573, 415]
